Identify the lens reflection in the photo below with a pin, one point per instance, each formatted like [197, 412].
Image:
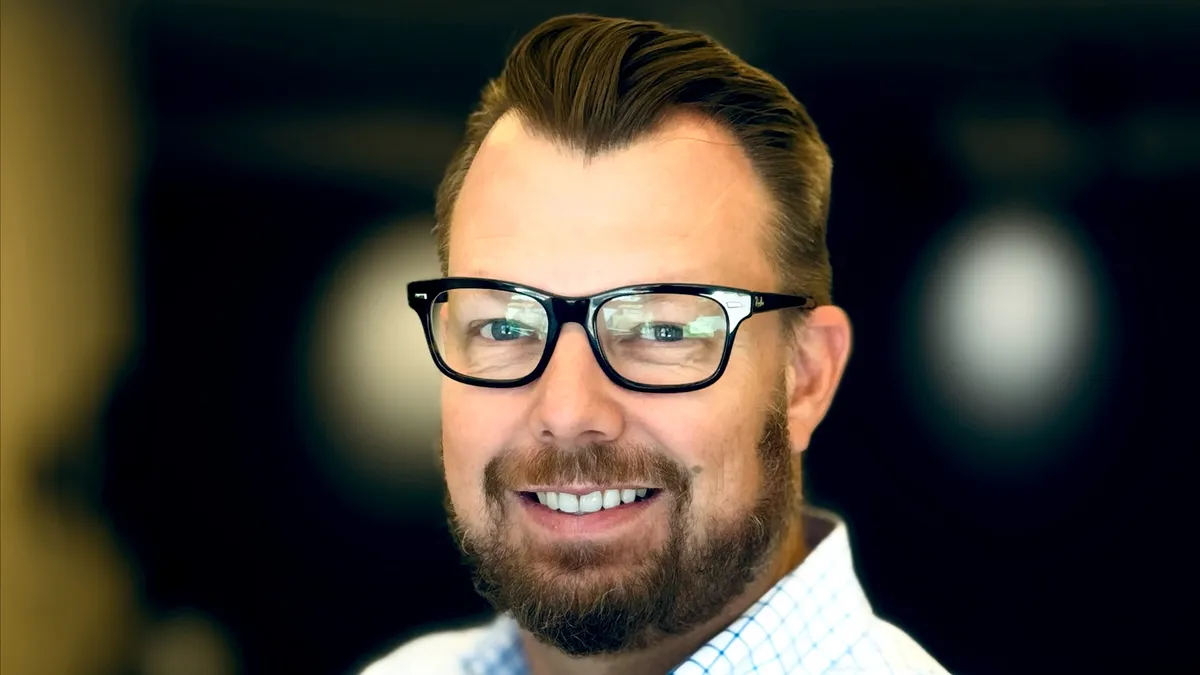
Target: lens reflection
[662, 338]
[489, 334]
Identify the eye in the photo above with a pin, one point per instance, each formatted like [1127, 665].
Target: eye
[662, 332]
[504, 330]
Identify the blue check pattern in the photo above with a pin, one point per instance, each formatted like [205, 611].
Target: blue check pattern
[816, 620]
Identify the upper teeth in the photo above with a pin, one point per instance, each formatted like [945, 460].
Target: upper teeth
[591, 502]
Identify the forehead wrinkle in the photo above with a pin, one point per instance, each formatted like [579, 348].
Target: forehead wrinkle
[715, 205]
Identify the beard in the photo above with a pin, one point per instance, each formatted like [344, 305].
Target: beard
[568, 596]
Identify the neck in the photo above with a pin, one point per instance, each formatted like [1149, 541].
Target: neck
[670, 652]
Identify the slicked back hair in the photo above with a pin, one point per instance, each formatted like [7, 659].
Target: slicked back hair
[595, 84]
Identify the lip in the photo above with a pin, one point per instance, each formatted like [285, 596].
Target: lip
[581, 489]
[605, 523]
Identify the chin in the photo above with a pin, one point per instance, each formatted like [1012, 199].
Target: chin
[587, 563]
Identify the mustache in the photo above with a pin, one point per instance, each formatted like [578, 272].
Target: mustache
[603, 463]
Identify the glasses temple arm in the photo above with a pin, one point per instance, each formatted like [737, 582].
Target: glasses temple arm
[769, 302]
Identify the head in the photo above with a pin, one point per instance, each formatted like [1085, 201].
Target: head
[611, 153]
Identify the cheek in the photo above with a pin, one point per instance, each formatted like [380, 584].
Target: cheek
[476, 426]
[719, 443]
[730, 486]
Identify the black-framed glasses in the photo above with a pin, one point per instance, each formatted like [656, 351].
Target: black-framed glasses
[665, 338]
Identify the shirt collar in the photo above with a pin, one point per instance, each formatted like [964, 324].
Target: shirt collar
[819, 602]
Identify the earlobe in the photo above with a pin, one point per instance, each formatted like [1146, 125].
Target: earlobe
[819, 356]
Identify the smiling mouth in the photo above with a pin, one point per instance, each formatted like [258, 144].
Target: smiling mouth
[591, 502]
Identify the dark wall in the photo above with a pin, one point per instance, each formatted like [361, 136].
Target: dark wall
[209, 469]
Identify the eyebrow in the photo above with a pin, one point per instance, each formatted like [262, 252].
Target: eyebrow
[688, 276]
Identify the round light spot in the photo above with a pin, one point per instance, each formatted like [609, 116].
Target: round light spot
[1010, 336]
[375, 390]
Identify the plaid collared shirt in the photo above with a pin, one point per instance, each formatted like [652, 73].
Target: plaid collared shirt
[817, 619]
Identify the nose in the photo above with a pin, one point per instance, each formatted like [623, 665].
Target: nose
[575, 403]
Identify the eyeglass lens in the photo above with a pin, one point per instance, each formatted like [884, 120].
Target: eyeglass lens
[649, 338]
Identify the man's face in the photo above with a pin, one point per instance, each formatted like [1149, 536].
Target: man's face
[683, 205]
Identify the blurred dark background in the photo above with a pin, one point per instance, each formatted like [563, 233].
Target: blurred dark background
[219, 415]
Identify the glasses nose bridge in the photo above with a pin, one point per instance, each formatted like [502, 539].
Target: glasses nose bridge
[575, 310]
[571, 310]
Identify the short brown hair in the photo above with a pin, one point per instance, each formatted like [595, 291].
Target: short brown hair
[597, 84]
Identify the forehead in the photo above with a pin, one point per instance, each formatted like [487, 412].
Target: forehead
[683, 204]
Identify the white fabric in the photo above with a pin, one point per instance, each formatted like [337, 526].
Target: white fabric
[816, 620]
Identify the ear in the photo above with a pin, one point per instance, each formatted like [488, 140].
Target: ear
[818, 356]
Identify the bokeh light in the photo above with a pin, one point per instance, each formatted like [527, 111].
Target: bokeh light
[1011, 337]
[188, 642]
[375, 389]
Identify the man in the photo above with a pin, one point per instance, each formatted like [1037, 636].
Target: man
[638, 340]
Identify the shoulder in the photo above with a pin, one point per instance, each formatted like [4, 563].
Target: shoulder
[435, 653]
